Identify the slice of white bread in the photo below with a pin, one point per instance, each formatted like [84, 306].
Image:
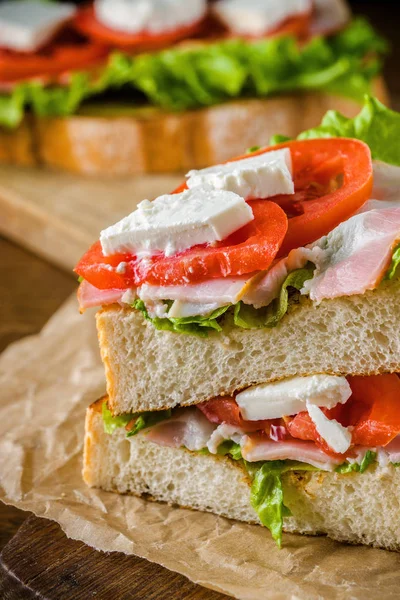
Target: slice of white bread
[147, 369]
[355, 507]
[149, 140]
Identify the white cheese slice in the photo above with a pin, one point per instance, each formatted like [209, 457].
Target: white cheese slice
[172, 223]
[260, 176]
[25, 25]
[152, 16]
[335, 435]
[290, 396]
[256, 17]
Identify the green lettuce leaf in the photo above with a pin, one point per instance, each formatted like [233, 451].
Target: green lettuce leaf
[369, 458]
[112, 423]
[248, 317]
[148, 419]
[266, 494]
[182, 78]
[200, 326]
[393, 269]
[376, 125]
[231, 448]
[142, 420]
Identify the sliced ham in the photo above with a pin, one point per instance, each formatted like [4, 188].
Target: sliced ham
[188, 428]
[356, 254]
[89, 296]
[228, 290]
[256, 448]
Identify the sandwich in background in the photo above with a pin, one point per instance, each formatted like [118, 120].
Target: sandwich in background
[123, 87]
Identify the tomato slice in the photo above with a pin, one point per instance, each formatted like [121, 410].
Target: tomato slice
[52, 60]
[332, 178]
[99, 270]
[302, 427]
[251, 248]
[87, 23]
[380, 421]
[373, 411]
[224, 409]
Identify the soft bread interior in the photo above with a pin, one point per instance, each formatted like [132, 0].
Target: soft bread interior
[147, 369]
[356, 508]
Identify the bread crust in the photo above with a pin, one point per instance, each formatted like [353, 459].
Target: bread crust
[153, 141]
[358, 508]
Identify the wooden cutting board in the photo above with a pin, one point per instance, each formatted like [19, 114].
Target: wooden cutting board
[58, 215]
[41, 563]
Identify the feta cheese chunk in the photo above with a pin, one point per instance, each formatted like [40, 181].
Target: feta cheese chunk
[172, 223]
[256, 17]
[152, 16]
[335, 435]
[260, 176]
[290, 396]
[28, 24]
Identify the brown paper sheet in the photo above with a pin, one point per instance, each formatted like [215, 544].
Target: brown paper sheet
[46, 383]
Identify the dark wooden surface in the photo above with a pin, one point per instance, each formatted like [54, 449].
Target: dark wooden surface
[52, 567]
[30, 291]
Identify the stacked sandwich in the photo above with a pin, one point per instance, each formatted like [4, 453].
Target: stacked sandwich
[111, 87]
[249, 333]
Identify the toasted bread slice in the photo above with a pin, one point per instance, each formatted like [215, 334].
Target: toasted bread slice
[148, 140]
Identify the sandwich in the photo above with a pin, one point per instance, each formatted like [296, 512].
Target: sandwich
[248, 329]
[122, 87]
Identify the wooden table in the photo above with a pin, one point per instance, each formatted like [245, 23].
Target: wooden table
[31, 290]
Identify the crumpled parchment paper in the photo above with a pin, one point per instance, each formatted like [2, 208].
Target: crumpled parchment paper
[46, 383]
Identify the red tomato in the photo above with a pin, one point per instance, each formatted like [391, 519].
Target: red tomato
[373, 410]
[380, 421]
[224, 409]
[86, 23]
[52, 60]
[251, 248]
[302, 427]
[99, 270]
[332, 178]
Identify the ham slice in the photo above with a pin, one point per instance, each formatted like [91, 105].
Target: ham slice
[356, 254]
[255, 448]
[228, 290]
[188, 428]
[89, 296]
